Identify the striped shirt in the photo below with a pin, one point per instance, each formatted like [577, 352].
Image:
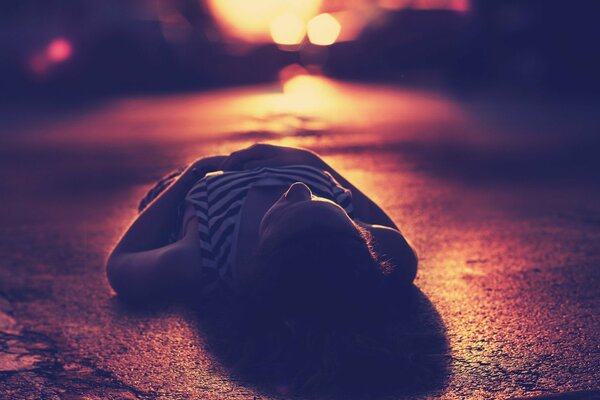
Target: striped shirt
[218, 199]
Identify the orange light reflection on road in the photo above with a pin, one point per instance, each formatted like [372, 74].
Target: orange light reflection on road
[333, 105]
[307, 90]
[299, 102]
[323, 30]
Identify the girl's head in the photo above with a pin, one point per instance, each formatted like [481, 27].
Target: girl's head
[314, 263]
[298, 212]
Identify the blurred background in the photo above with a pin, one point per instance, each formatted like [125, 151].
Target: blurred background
[61, 48]
[496, 90]
[503, 89]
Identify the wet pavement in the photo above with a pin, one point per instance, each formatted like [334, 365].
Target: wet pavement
[501, 206]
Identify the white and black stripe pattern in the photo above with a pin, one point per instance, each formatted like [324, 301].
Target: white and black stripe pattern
[218, 199]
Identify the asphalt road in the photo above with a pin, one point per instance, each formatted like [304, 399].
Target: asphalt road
[501, 205]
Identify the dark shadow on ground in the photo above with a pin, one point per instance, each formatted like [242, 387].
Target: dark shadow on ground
[408, 356]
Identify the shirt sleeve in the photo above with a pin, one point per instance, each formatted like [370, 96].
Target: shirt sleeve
[156, 190]
[342, 195]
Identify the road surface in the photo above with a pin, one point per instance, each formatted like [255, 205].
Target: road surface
[501, 205]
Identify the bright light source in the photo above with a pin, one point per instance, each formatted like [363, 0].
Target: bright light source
[288, 29]
[59, 50]
[251, 20]
[323, 30]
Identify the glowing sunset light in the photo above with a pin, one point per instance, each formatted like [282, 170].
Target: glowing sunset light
[59, 50]
[252, 21]
[279, 21]
[323, 30]
[288, 29]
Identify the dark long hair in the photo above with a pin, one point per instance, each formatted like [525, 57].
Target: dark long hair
[321, 279]
[314, 317]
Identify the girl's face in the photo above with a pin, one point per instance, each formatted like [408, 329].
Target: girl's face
[299, 211]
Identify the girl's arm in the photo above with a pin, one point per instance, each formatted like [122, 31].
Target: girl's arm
[142, 264]
[151, 227]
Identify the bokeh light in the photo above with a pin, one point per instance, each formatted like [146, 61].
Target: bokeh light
[59, 50]
[323, 30]
[263, 21]
[288, 29]
[41, 62]
[251, 21]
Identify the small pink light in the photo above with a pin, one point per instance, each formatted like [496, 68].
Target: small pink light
[59, 50]
[38, 64]
[462, 6]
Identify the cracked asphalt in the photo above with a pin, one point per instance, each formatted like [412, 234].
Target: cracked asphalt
[501, 205]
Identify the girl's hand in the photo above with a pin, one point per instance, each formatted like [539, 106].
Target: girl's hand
[267, 155]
